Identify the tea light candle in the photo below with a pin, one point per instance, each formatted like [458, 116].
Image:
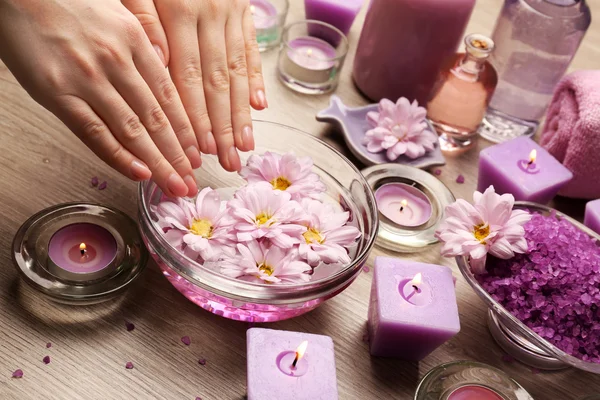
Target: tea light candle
[309, 59]
[81, 252]
[265, 18]
[290, 365]
[412, 309]
[592, 215]
[524, 169]
[403, 204]
[339, 13]
[474, 392]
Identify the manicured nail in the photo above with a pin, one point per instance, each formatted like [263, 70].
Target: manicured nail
[160, 53]
[247, 138]
[177, 186]
[211, 144]
[140, 171]
[191, 184]
[234, 159]
[193, 155]
[262, 99]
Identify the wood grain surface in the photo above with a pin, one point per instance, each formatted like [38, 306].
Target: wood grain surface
[42, 164]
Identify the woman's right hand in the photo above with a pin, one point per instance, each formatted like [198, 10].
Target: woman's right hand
[92, 65]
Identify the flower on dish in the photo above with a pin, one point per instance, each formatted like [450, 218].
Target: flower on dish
[399, 129]
[489, 226]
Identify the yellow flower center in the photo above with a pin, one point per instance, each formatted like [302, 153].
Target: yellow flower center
[281, 183]
[481, 231]
[202, 227]
[266, 269]
[312, 235]
[262, 218]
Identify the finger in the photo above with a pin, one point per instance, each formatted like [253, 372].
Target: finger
[238, 76]
[78, 116]
[186, 72]
[128, 129]
[146, 13]
[169, 103]
[258, 99]
[216, 90]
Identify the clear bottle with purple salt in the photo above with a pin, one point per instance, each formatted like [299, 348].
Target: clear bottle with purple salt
[536, 41]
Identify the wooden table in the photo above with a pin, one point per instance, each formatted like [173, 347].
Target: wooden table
[42, 164]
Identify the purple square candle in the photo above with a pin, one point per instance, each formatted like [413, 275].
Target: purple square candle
[271, 374]
[339, 13]
[407, 321]
[524, 169]
[592, 215]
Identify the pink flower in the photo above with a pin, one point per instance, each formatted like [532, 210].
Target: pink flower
[491, 225]
[399, 129]
[327, 235]
[203, 226]
[284, 172]
[261, 212]
[261, 262]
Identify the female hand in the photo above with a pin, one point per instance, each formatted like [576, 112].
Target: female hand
[91, 64]
[211, 50]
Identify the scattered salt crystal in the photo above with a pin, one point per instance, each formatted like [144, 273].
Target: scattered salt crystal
[186, 340]
[46, 360]
[202, 361]
[129, 365]
[438, 172]
[103, 185]
[94, 181]
[129, 326]
[366, 269]
[460, 179]
[48, 345]
[17, 374]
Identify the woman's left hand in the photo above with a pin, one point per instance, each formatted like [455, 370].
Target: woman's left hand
[211, 50]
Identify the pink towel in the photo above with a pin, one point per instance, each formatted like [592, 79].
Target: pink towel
[572, 132]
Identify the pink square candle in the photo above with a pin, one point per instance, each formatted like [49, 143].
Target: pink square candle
[270, 373]
[592, 215]
[512, 167]
[410, 322]
[339, 13]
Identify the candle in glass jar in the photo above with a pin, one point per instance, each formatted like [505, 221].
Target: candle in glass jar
[340, 14]
[264, 14]
[403, 204]
[474, 392]
[81, 251]
[290, 365]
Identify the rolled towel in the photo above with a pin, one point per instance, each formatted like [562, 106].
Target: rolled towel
[572, 132]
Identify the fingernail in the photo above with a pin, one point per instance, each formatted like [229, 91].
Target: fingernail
[160, 53]
[191, 184]
[177, 186]
[211, 144]
[140, 171]
[193, 155]
[234, 159]
[248, 138]
[262, 99]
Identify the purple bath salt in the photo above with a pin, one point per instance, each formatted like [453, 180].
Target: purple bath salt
[554, 288]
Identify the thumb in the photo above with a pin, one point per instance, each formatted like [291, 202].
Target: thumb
[146, 13]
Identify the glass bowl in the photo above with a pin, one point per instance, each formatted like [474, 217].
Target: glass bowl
[514, 336]
[255, 302]
[444, 380]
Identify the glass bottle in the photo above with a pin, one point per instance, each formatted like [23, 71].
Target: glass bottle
[462, 94]
[536, 41]
[404, 43]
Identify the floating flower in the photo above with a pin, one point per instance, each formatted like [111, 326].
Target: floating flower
[284, 172]
[260, 262]
[204, 226]
[491, 225]
[327, 235]
[261, 212]
[399, 129]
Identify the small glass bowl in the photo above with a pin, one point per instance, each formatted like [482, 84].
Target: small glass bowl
[443, 380]
[312, 56]
[254, 302]
[514, 336]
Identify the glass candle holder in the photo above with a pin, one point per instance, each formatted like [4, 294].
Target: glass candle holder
[411, 205]
[469, 380]
[79, 253]
[311, 57]
[269, 18]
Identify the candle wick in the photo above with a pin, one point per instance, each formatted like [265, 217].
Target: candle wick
[416, 288]
[295, 361]
[401, 208]
[82, 252]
